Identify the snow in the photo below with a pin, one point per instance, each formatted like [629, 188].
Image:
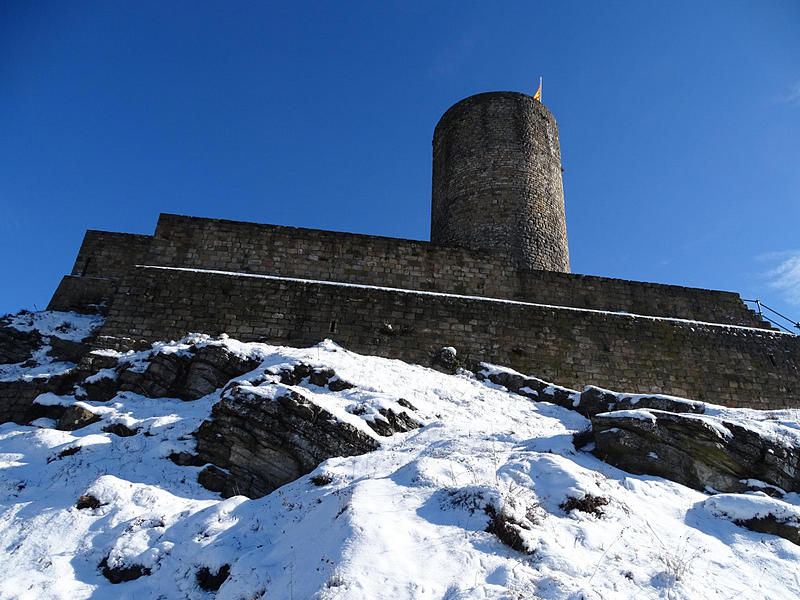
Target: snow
[757, 505]
[65, 325]
[406, 521]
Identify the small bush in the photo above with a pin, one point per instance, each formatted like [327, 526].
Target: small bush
[589, 504]
[212, 582]
[321, 479]
[88, 501]
[507, 530]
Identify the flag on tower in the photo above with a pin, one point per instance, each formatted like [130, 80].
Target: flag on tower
[538, 94]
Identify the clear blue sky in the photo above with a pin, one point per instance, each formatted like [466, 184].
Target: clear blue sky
[680, 124]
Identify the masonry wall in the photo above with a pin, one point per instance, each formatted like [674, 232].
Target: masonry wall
[83, 294]
[108, 254]
[497, 180]
[408, 264]
[728, 365]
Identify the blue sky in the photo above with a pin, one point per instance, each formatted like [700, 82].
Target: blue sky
[679, 121]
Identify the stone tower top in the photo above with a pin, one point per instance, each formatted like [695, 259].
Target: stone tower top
[497, 180]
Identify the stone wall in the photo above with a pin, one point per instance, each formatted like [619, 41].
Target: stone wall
[108, 254]
[82, 294]
[571, 347]
[408, 264]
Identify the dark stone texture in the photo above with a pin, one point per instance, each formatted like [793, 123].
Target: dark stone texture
[497, 180]
[17, 346]
[686, 449]
[772, 525]
[76, 417]
[751, 367]
[264, 443]
[67, 350]
[188, 376]
[16, 398]
[215, 244]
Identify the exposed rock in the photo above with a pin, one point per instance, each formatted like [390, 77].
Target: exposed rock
[186, 459]
[266, 437]
[67, 350]
[594, 400]
[188, 376]
[445, 360]
[75, 417]
[322, 377]
[17, 346]
[532, 387]
[591, 401]
[773, 526]
[700, 452]
[100, 389]
[17, 398]
[395, 422]
[120, 430]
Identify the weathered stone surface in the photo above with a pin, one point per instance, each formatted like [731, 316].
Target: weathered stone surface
[322, 377]
[188, 376]
[16, 398]
[592, 400]
[693, 450]
[67, 350]
[75, 417]
[17, 346]
[445, 360]
[264, 443]
[533, 388]
[772, 525]
[497, 180]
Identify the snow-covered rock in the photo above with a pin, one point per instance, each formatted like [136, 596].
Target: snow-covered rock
[487, 498]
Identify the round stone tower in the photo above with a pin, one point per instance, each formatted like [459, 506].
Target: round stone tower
[497, 180]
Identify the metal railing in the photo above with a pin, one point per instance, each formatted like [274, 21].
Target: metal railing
[760, 307]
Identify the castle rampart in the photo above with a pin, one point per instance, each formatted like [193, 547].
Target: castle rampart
[409, 264]
[571, 347]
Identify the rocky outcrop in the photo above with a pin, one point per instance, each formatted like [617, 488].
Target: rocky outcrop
[701, 452]
[589, 402]
[17, 346]
[264, 437]
[187, 375]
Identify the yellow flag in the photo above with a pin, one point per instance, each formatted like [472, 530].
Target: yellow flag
[538, 94]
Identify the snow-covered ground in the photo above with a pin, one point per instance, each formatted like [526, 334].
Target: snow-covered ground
[407, 521]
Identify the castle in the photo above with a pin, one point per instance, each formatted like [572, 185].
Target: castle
[494, 282]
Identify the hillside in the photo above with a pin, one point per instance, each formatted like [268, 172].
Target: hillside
[457, 487]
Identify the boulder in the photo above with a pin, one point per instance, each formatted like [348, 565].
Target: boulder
[75, 417]
[699, 451]
[260, 438]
